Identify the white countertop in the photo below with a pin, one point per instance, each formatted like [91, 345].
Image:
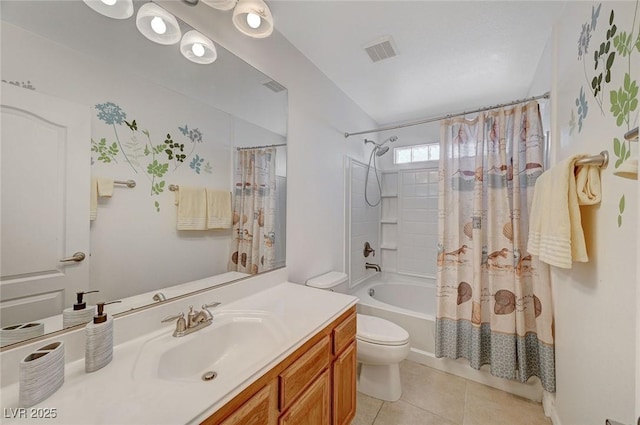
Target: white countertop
[112, 395]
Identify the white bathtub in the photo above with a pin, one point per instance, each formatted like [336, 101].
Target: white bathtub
[405, 300]
[410, 302]
[413, 294]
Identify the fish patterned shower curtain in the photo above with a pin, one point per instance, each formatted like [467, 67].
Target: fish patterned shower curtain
[493, 298]
[253, 244]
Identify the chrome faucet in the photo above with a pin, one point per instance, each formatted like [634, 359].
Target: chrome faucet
[196, 320]
[376, 267]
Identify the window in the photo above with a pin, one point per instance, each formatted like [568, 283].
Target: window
[416, 153]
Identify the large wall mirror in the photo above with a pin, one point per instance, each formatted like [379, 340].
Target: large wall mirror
[87, 101]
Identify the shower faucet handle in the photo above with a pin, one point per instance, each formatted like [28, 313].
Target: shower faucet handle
[368, 250]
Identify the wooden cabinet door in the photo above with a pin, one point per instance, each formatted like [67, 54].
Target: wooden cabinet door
[301, 372]
[314, 405]
[344, 386]
[261, 409]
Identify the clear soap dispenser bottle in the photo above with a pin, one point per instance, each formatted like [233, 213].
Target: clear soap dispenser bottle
[79, 314]
[99, 340]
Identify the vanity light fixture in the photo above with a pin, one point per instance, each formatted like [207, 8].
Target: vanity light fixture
[253, 18]
[221, 4]
[116, 9]
[157, 24]
[198, 48]
[629, 169]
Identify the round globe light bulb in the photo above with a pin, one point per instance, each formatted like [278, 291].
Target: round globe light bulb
[109, 2]
[198, 49]
[253, 20]
[158, 25]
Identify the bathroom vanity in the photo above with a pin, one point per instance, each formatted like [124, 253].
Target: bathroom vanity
[282, 353]
[314, 385]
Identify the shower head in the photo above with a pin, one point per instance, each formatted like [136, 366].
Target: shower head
[381, 150]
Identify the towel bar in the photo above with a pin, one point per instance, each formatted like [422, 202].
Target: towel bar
[128, 183]
[601, 160]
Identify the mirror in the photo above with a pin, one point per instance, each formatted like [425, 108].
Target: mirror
[141, 112]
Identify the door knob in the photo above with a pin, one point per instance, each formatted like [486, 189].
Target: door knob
[77, 257]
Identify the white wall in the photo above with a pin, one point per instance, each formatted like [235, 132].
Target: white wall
[319, 114]
[596, 303]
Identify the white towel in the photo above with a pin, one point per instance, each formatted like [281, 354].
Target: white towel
[555, 227]
[218, 209]
[192, 208]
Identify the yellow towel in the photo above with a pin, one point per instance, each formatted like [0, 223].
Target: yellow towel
[555, 227]
[192, 208]
[93, 200]
[100, 187]
[105, 187]
[218, 209]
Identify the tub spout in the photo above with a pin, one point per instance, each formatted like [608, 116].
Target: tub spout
[372, 266]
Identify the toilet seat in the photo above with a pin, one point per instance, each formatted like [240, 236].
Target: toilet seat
[376, 330]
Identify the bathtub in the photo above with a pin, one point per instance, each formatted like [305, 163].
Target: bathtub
[405, 300]
[410, 302]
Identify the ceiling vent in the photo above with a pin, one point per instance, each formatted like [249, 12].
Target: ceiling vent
[274, 86]
[381, 49]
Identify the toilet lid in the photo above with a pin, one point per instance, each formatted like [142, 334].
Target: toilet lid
[380, 331]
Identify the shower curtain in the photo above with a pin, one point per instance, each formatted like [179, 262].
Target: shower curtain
[253, 243]
[494, 299]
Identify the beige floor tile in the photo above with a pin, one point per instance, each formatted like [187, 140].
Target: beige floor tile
[367, 409]
[402, 413]
[488, 406]
[438, 392]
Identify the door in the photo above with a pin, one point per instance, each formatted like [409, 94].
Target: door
[45, 175]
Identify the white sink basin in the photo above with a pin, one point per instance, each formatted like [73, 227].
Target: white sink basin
[231, 345]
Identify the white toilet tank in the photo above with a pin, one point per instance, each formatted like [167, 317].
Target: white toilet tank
[333, 281]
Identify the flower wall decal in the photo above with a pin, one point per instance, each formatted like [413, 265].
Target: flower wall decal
[141, 153]
[614, 55]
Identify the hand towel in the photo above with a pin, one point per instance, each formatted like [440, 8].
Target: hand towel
[93, 200]
[555, 227]
[100, 187]
[218, 209]
[192, 208]
[588, 184]
[105, 187]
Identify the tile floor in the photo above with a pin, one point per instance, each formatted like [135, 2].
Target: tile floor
[431, 397]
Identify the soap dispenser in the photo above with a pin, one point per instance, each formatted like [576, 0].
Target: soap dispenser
[99, 340]
[79, 314]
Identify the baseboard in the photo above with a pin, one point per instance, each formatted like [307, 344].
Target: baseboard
[549, 406]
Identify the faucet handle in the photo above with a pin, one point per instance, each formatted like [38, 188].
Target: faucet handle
[172, 318]
[206, 312]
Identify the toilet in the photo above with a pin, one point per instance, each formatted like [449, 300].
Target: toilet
[381, 346]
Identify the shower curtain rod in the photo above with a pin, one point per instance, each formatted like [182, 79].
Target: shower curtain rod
[442, 117]
[261, 147]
